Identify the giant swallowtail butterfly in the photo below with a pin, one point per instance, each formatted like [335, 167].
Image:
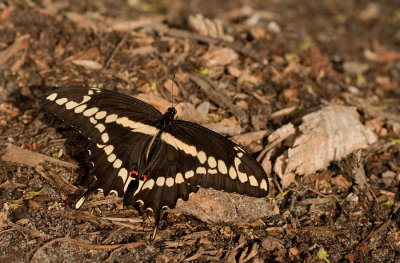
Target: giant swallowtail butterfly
[133, 145]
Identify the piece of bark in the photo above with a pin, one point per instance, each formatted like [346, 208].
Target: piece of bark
[17, 155]
[326, 135]
[214, 206]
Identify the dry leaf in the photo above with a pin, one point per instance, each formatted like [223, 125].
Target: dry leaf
[84, 21]
[394, 128]
[253, 140]
[224, 129]
[341, 181]
[92, 53]
[5, 13]
[156, 101]
[247, 78]
[89, 64]
[130, 25]
[381, 57]
[327, 135]
[220, 57]
[171, 86]
[188, 112]
[20, 44]
[208, 27]
[144, 50]
[3, 218]
[282, 112]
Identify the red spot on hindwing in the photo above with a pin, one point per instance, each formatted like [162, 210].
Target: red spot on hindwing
[134, 172]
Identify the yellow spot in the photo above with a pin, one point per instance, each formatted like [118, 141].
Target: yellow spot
[202, 157]
[201, 170]
[108, 150]
[92, 120]
[148, 184]
[111, 158]
[222, 167]
[100, 127]
[189, 174]
[117, 163]
[105, 137]
[111, 118]
[212, 171]
[100, 115]
[212, 162]
[123, 173]
[52, 97]
[90, 111]
[232, 173]
[253, 180]
[160, 181]
[263, 185]
[61, 101]
[80, 109]
[169, 182]
[179, 178]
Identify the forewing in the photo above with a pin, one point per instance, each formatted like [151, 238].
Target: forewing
[120, 129]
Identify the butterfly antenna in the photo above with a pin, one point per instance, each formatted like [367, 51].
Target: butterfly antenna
[173, 82]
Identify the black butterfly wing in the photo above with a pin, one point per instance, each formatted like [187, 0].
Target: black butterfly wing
[120, 129]
[192, 156]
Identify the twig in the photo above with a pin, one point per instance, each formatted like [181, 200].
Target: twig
[28, 230]
[115, 51]
[388, 223]
[57, 180]
[84, 245]
[218, 97]
[134, 244]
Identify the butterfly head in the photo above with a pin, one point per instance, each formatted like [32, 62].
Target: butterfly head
[171, 111]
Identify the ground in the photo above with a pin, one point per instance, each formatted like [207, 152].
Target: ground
[265, 57]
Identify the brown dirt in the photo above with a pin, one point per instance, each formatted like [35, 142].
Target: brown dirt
[284, 53]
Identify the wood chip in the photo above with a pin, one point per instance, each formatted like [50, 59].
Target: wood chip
[327, 135]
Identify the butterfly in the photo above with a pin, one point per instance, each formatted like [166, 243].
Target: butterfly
[137, 150]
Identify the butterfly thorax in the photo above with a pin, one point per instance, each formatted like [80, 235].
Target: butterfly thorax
[167, 118]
